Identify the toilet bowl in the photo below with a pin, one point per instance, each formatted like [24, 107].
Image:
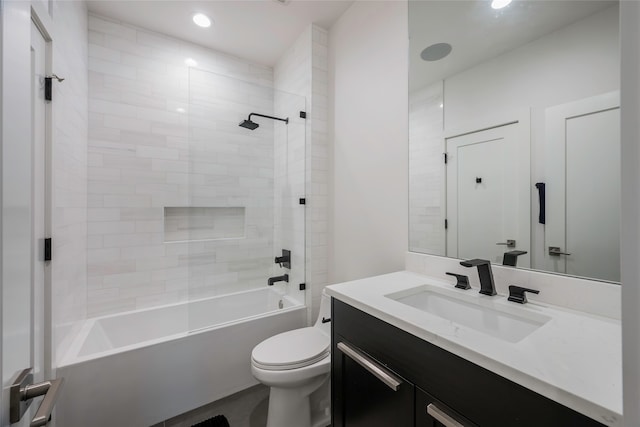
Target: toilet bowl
[295, 365]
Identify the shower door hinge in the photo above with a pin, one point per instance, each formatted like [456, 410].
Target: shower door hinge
[446, 224]
[48, 84]
[303, 114]
[446, 158]
[303, 201]
[47, 249]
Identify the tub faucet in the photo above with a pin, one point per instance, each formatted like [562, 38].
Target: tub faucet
[487, 286]
[283, 278]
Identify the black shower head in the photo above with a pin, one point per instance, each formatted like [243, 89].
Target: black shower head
[249, 124]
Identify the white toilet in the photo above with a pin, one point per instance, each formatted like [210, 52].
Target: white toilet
[295, 364]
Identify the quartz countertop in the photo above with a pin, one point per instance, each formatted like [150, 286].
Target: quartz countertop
[575, 358]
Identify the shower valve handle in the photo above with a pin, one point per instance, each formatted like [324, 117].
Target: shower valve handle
[285, 259]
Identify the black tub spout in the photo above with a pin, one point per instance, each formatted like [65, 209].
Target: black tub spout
[283, 278]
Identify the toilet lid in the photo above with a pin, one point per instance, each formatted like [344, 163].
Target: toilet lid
[291, 350]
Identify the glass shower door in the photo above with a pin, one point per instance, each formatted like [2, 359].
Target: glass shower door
[244, 184]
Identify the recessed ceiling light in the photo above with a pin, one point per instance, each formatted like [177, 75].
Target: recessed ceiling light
[436, 51]
[499, 4]
[202, 20]
[190, 62]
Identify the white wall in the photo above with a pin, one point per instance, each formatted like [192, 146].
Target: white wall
[368, 105]
[575, 62]
[630, 238]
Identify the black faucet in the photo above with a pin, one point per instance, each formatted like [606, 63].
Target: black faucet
[511, 258]
[283, 278]
[487, 286]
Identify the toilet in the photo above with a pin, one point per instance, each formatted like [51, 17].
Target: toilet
[296, 366]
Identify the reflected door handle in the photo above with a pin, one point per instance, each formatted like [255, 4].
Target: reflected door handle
[509, 243]
[23, 390]
[555, 251]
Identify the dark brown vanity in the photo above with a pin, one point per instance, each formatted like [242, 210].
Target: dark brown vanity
[383, 376]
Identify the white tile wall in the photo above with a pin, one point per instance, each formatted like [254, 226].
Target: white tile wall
[69, 172]
[163, 134]
[426, 170]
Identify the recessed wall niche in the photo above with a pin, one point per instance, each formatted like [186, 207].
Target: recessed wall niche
[190, 223]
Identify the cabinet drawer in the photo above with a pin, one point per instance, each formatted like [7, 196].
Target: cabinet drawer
[377, 396]
[485, 398]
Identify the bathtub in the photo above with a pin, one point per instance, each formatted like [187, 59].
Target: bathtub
[142, 367]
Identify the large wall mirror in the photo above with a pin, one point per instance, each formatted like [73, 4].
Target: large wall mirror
[514, 135]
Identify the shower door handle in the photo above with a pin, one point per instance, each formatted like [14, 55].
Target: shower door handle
[370, 365]
[23, 390]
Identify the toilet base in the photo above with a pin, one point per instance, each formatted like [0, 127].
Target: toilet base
[290, 407]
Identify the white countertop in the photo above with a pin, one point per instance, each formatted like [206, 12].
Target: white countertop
[574, 359]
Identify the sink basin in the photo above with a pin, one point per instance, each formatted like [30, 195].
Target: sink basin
[480, 316]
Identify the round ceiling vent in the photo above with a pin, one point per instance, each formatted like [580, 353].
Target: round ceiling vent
[435, 52]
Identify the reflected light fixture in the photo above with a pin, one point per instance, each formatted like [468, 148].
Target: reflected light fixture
[201, 20]
[499, 4]
[190, 62]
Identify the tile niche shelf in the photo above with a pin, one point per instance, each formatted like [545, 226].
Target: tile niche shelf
[195, 223]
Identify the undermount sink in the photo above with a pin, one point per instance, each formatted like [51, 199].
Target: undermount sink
[480, 317]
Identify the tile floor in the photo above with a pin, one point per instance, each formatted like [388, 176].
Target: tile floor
[247, 408]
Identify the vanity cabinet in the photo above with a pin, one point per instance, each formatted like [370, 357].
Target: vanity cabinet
[383, 376]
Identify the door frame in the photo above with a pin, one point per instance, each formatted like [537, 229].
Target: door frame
[42, 20]
[521, 117]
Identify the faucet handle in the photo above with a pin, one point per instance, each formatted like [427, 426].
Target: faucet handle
[462, 281]
[517, 294]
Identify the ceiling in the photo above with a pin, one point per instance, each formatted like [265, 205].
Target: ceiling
[257, 30]
[477, 32]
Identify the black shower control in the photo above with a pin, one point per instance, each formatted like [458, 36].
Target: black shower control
[285, 259]
[302, 286]
[303, 114]
[326, 320]
[303, 201]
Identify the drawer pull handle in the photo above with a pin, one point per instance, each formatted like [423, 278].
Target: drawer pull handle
[361, 359]
[442, 417]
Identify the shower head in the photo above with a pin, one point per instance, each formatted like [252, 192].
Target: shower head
[249, 124]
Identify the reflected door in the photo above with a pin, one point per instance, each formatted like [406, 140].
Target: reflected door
[583, 188]
[487, 197]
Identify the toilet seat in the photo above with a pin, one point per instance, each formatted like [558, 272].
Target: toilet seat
[291, 350]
